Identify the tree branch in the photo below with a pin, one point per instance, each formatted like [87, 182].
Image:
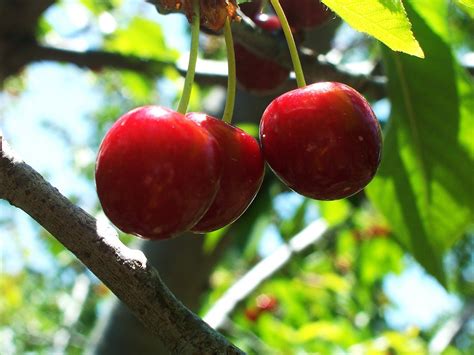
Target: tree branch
[445, 335]
[98, 59]
[125, 271]
[218, 314]
[21, 16]
[208, 72]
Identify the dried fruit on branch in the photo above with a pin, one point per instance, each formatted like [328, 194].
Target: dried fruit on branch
[213, 12]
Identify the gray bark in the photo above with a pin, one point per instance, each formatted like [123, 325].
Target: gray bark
[127, 272]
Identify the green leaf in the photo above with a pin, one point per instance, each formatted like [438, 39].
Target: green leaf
[336, 330]
[377, 258]
[143, 38]
[249, 128]
[424, 186]
[335, 212]
[467, 3]
[139, 86]
[385, 20]
[212, 239]
[99, 6]
[467, 6]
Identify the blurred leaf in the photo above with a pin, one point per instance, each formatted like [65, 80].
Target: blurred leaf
[385, 20]
[291, 296]
[97, 7]
[43, 28]
[296, 223]
[428, 164]
[398, 343]
[346, 244]
[249, 128]
[249, 227]
[334, 212]
[212, 239]
[467, 6]
[53, 245]
[335, 283]
[255, 235]
[12, 297]
[377, 258]
[144, 38]
[336, 331]
[451, 350]
[275, 332]
[139, 86]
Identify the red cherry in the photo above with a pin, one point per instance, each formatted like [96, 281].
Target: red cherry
[322, 140]
[270, 23]
[251, 8]
[252, 314]
[266, 303]
[258, 74]
[242, 174]
[157, 172]
[303, 14]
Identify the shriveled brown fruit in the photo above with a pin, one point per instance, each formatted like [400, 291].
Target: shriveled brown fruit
[167, 6]
[213, 12]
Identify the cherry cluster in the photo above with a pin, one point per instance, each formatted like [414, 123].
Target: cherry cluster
[263, 304]
[161, 172]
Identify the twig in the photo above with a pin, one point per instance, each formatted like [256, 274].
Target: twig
[97, 60]
[125, 271]
[219, 312]
[72, 312]
[445, 335]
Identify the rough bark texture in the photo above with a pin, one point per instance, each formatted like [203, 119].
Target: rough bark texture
[185, 268]
[125, 271]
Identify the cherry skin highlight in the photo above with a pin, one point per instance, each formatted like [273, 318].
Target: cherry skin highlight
[270, 23]
[322, 140]
[242, 174]
[305, 14]
[157, 172]
[258, 74]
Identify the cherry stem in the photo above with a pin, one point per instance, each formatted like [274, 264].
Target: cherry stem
[231, 76]
[193, 54]
[291, 43]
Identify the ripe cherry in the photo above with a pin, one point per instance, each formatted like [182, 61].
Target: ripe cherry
[251, 8]
[258, 74]
[242, 174]
[304, 14]
[157, 172]
[266, 303]
[322, 140]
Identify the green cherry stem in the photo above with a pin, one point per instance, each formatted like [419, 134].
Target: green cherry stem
[193, 54]
[291, 43]
[231, 80]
